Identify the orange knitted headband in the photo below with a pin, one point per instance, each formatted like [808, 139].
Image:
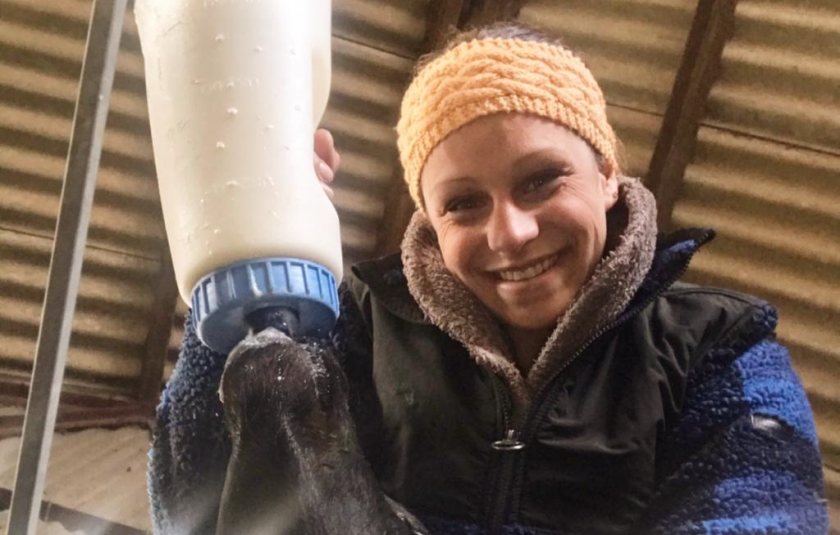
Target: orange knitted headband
[486, 76]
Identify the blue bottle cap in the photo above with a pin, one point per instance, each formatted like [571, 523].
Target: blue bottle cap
[223, 299]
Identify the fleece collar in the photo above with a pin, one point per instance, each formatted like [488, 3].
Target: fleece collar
[450, 306]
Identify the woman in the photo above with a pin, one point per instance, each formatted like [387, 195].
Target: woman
[529, 363]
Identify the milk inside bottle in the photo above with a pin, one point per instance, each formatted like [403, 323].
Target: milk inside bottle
[234, 91]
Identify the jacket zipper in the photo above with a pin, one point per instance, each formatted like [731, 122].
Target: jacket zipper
[506, 447]
[521, 435]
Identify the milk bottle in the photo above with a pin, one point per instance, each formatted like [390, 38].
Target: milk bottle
[234, 89]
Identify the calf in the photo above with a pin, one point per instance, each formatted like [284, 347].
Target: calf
[296, 466]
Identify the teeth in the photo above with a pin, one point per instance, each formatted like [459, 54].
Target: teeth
[528, 273]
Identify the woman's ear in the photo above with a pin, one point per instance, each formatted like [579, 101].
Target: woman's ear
[609, 184]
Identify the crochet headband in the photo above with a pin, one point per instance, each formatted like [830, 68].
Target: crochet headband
[486, 76]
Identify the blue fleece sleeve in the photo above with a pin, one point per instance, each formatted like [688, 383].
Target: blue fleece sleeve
[190, 446]
[744, 456]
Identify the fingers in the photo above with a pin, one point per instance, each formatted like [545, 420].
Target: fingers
[324, 171]
[326, 159]
[325, 149]
[325, 175]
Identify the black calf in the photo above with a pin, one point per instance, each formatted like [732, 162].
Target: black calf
[296, 466]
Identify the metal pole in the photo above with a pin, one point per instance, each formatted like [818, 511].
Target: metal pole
[103, 42]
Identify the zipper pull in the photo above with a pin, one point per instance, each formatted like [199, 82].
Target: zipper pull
[509, 443]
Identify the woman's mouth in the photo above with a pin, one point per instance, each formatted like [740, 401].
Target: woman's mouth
[529, 271]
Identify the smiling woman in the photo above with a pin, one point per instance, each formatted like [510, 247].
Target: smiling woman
[529, 362]
[519, 207]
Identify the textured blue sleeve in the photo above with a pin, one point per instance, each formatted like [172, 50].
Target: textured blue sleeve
[744, 456]
[190, 446]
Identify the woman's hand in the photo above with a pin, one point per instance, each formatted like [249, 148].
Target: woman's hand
[326, 159]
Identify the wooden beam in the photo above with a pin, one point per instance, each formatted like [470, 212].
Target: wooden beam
[75, 418]
[74, 520]
[483, 12]
[712, 27]
[160, 328]
[444, 16]
[398, 211]
[15, 391]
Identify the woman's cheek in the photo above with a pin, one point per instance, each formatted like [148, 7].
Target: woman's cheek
[456, 247]
[449, 246]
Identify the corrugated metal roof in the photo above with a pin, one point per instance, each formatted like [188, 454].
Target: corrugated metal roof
[96, 471]
[374, 48]
[398, 28]
[367, 86]
[42, 69]
[765, 175]
[633, 48]
[780, 74]
[43, 47]
[109, 329]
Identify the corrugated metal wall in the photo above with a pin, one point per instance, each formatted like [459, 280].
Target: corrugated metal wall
[41, 49]
[373, 54]
[766, 170]
[766, 174]
[634, 49]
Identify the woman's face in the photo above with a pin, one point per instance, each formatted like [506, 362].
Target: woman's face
[519, 206]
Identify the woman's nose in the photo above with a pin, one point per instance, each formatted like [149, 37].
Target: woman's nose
[510, 228]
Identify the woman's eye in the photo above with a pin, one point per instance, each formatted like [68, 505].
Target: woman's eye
[461, 204]
[536, 183]
[540, 181]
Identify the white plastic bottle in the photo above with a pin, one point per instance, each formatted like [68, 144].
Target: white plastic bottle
[235, 89]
